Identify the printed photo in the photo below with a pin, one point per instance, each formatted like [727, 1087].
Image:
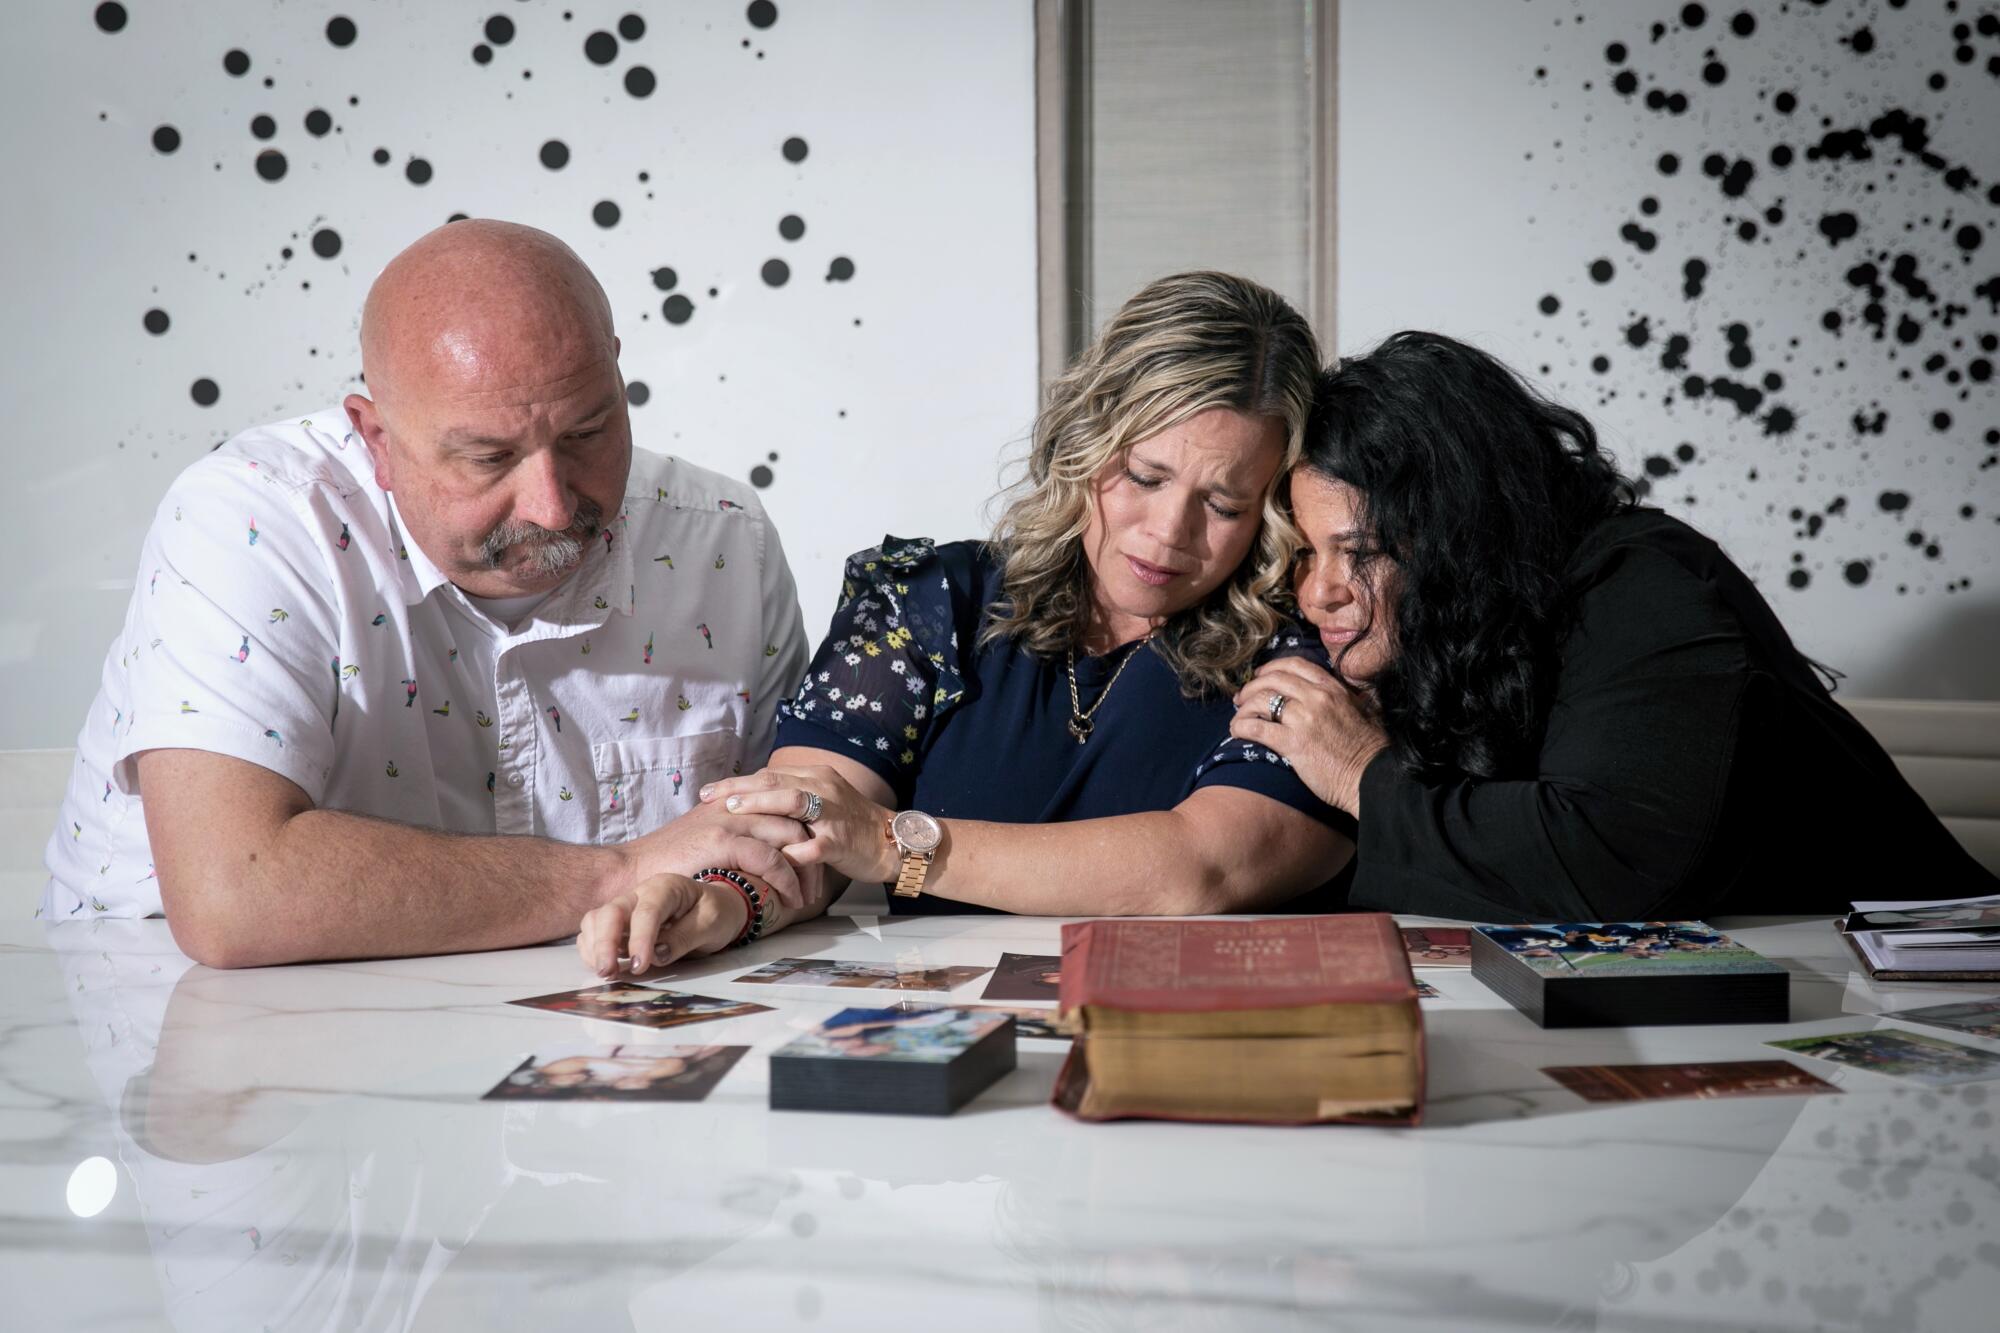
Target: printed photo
[641, 1006]
[1426, 991]
[1982, 914]
[1030, 1024]
[850, 975]
[618, 1074]
[1907, 1055]
[1727, 1078]
[1438, 946]
[1626, 948]
[1024, 976]
[1981, 1018]
[899, 1032]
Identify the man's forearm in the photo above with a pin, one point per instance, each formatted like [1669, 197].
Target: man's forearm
[336, 885]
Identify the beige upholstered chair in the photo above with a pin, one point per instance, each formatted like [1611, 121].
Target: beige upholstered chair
[1950, 752]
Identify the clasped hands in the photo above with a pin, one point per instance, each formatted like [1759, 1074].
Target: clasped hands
[753, 824]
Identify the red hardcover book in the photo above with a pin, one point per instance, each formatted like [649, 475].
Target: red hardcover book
[1290, 1020]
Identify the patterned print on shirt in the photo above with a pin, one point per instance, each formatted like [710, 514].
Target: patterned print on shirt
[554, 716]
[253, 532]
[242, 654]
[444, 711]
[666, 560]
[409, 692]
[706, 636]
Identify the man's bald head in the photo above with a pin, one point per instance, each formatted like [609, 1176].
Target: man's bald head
[473, 304]
[496, 414]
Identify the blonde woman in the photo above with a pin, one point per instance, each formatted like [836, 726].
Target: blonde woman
[1040, 723]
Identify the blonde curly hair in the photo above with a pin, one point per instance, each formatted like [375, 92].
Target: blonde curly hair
[1184, 345]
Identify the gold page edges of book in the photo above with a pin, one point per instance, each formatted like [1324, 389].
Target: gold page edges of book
[1314, 1062]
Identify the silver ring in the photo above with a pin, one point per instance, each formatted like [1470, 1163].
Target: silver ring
[813, 804]
[1277, 707]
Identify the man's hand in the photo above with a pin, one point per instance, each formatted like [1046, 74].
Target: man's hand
[709, 835]
[666, 918]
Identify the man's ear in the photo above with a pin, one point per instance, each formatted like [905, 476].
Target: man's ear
[367, 419]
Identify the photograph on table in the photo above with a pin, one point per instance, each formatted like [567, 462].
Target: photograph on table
[1703, 1081]
[623, 1073]
[1979, 915]
[932, 1034]
[1426, 991]
[1981, 1018]
[641, 1006]
[1634, 948]
[1030, 1023]
[847, 974]
[1438, 946]
[1905, 1055]
[1025, 976]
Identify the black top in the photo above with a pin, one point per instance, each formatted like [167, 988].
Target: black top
[1694, 763]
[960, 730]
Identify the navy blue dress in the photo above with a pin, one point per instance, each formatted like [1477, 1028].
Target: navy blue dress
[903, 686]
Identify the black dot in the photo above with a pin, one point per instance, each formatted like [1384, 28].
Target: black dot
[271, 164]
[1856, 572]
[318, 122]
[156, 321]
[762, 14]
[1940, 421]
[605, 214]
[760, 476]
[840, 270]
[1615, 53]
[639, 81]
[204, 392]
[1693, 15]
[795, 149]
[1786, 103]
[166, 139]
[263, 126]
[499, 30]
[631, 27]
[417, 171]
[777, 272]
[340, 30]
[458, 217]
[482, 54]
[636, 393]
[381, 157]
[1968, 238]
[326, 242]
[237, 63]
[676, 309]
[1798, 578]
[665, 278]
[1600, 270]
[1714, 72]
[555, 155]
[1549, 305]
[110, 17]
[1600, 364]
[1743, 24]
[791, 226]
[600, 48]
[1669, 164]
[1649, 205]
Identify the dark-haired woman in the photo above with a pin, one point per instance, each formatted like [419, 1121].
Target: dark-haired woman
[1548, 703]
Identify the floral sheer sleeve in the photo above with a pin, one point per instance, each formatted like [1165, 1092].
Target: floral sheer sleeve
[891, 665]
[1240, 763]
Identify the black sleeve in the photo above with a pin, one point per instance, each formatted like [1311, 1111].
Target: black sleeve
[1631, 781]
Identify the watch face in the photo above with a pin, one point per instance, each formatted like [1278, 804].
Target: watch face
[917, 831]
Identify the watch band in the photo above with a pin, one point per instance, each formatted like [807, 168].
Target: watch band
[910, 883]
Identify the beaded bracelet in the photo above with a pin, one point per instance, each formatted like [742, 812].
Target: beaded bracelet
[753, 925]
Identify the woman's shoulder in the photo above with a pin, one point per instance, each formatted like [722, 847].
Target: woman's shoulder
[921, 566]
[1629, 538]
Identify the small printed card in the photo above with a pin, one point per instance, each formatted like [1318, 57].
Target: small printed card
[618, 1074]
[851, 975]
[1426, 991]
[931, 1035]
[1438, 946]
[1728, 1078]
[1908, 1055]
[1024, 976]
[1980, 1018]
[1029, 1022]
[641, 1006]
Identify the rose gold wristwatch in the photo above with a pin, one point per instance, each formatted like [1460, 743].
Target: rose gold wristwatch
[917, 837]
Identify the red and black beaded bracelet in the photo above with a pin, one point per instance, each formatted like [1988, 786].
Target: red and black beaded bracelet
[753, 925]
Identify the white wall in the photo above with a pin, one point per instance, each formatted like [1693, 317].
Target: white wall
[1487, 160]
[888, 398]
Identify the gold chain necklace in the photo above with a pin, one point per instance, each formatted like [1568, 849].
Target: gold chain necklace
[1079, 717]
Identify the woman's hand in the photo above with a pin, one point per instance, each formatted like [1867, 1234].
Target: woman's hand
[666, 918]
[849, 836]
[1324, 729]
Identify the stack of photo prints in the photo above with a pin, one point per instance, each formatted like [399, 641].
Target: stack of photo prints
[922, 1049]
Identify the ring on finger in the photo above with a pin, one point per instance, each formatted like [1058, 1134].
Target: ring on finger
[812, 810]
[1277, 707]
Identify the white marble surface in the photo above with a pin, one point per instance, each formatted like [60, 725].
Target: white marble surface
[305, 1148]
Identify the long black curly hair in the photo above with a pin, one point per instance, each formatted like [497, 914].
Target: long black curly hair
[1478, 489]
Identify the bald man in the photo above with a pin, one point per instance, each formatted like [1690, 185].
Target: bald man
[443, 668]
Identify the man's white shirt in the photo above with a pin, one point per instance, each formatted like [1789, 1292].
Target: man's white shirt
[283, 616]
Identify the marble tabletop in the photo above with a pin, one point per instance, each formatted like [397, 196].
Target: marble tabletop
[305, 1147]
